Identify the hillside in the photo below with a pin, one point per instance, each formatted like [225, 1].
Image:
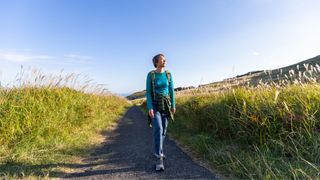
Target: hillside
[251, 78]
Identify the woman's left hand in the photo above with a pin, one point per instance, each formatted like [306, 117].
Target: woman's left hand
[173, 110]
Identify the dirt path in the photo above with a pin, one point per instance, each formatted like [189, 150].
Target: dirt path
[128, 154]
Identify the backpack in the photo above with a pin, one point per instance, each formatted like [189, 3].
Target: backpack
[152, 82]
[153, 96]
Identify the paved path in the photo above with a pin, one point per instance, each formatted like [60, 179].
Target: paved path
[127, 154]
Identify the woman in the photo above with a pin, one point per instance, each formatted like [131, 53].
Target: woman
[160, 104]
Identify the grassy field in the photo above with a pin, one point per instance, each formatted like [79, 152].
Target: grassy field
[266, 131]
[44, 126]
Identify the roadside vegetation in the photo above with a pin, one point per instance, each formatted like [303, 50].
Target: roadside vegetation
[47, 121]
[266, 131]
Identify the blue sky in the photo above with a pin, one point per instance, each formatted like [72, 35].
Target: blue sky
[113, 41]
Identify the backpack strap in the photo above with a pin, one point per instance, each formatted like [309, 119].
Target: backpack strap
[153, 94]
[168, 76]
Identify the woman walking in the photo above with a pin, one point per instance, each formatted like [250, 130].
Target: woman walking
[160, 104]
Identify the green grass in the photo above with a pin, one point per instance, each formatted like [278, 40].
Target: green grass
[43, 128]
[255, 133]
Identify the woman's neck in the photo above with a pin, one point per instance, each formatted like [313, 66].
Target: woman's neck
[160, 69]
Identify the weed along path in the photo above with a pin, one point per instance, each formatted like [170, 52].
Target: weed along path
[127, 154]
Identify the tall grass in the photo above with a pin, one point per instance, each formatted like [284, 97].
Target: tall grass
[242, 128]
[52, 119]
[267, 131]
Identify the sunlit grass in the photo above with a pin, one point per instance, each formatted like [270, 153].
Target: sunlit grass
[265, 130]
[52, 119]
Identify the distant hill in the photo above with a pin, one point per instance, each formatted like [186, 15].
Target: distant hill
[137, 95]
[252, 78]
[275, 75]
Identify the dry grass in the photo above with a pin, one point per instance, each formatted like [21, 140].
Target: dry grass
[41, 114]
[256, 129]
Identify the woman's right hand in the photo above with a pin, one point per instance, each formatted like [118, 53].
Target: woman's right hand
[151, 113]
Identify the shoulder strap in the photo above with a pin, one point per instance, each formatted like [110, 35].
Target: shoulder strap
[152, 84]
[168, 76]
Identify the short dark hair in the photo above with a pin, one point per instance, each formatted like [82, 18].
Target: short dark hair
[156, 58]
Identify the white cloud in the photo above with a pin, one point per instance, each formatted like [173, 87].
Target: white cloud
[22, 56]
[27, 56]
[76, 58]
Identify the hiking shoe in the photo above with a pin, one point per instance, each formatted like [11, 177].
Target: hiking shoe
[159, 165]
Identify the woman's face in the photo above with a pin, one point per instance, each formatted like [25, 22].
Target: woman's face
[161, 62]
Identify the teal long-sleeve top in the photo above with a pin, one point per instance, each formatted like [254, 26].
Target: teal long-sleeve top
[162, 86]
